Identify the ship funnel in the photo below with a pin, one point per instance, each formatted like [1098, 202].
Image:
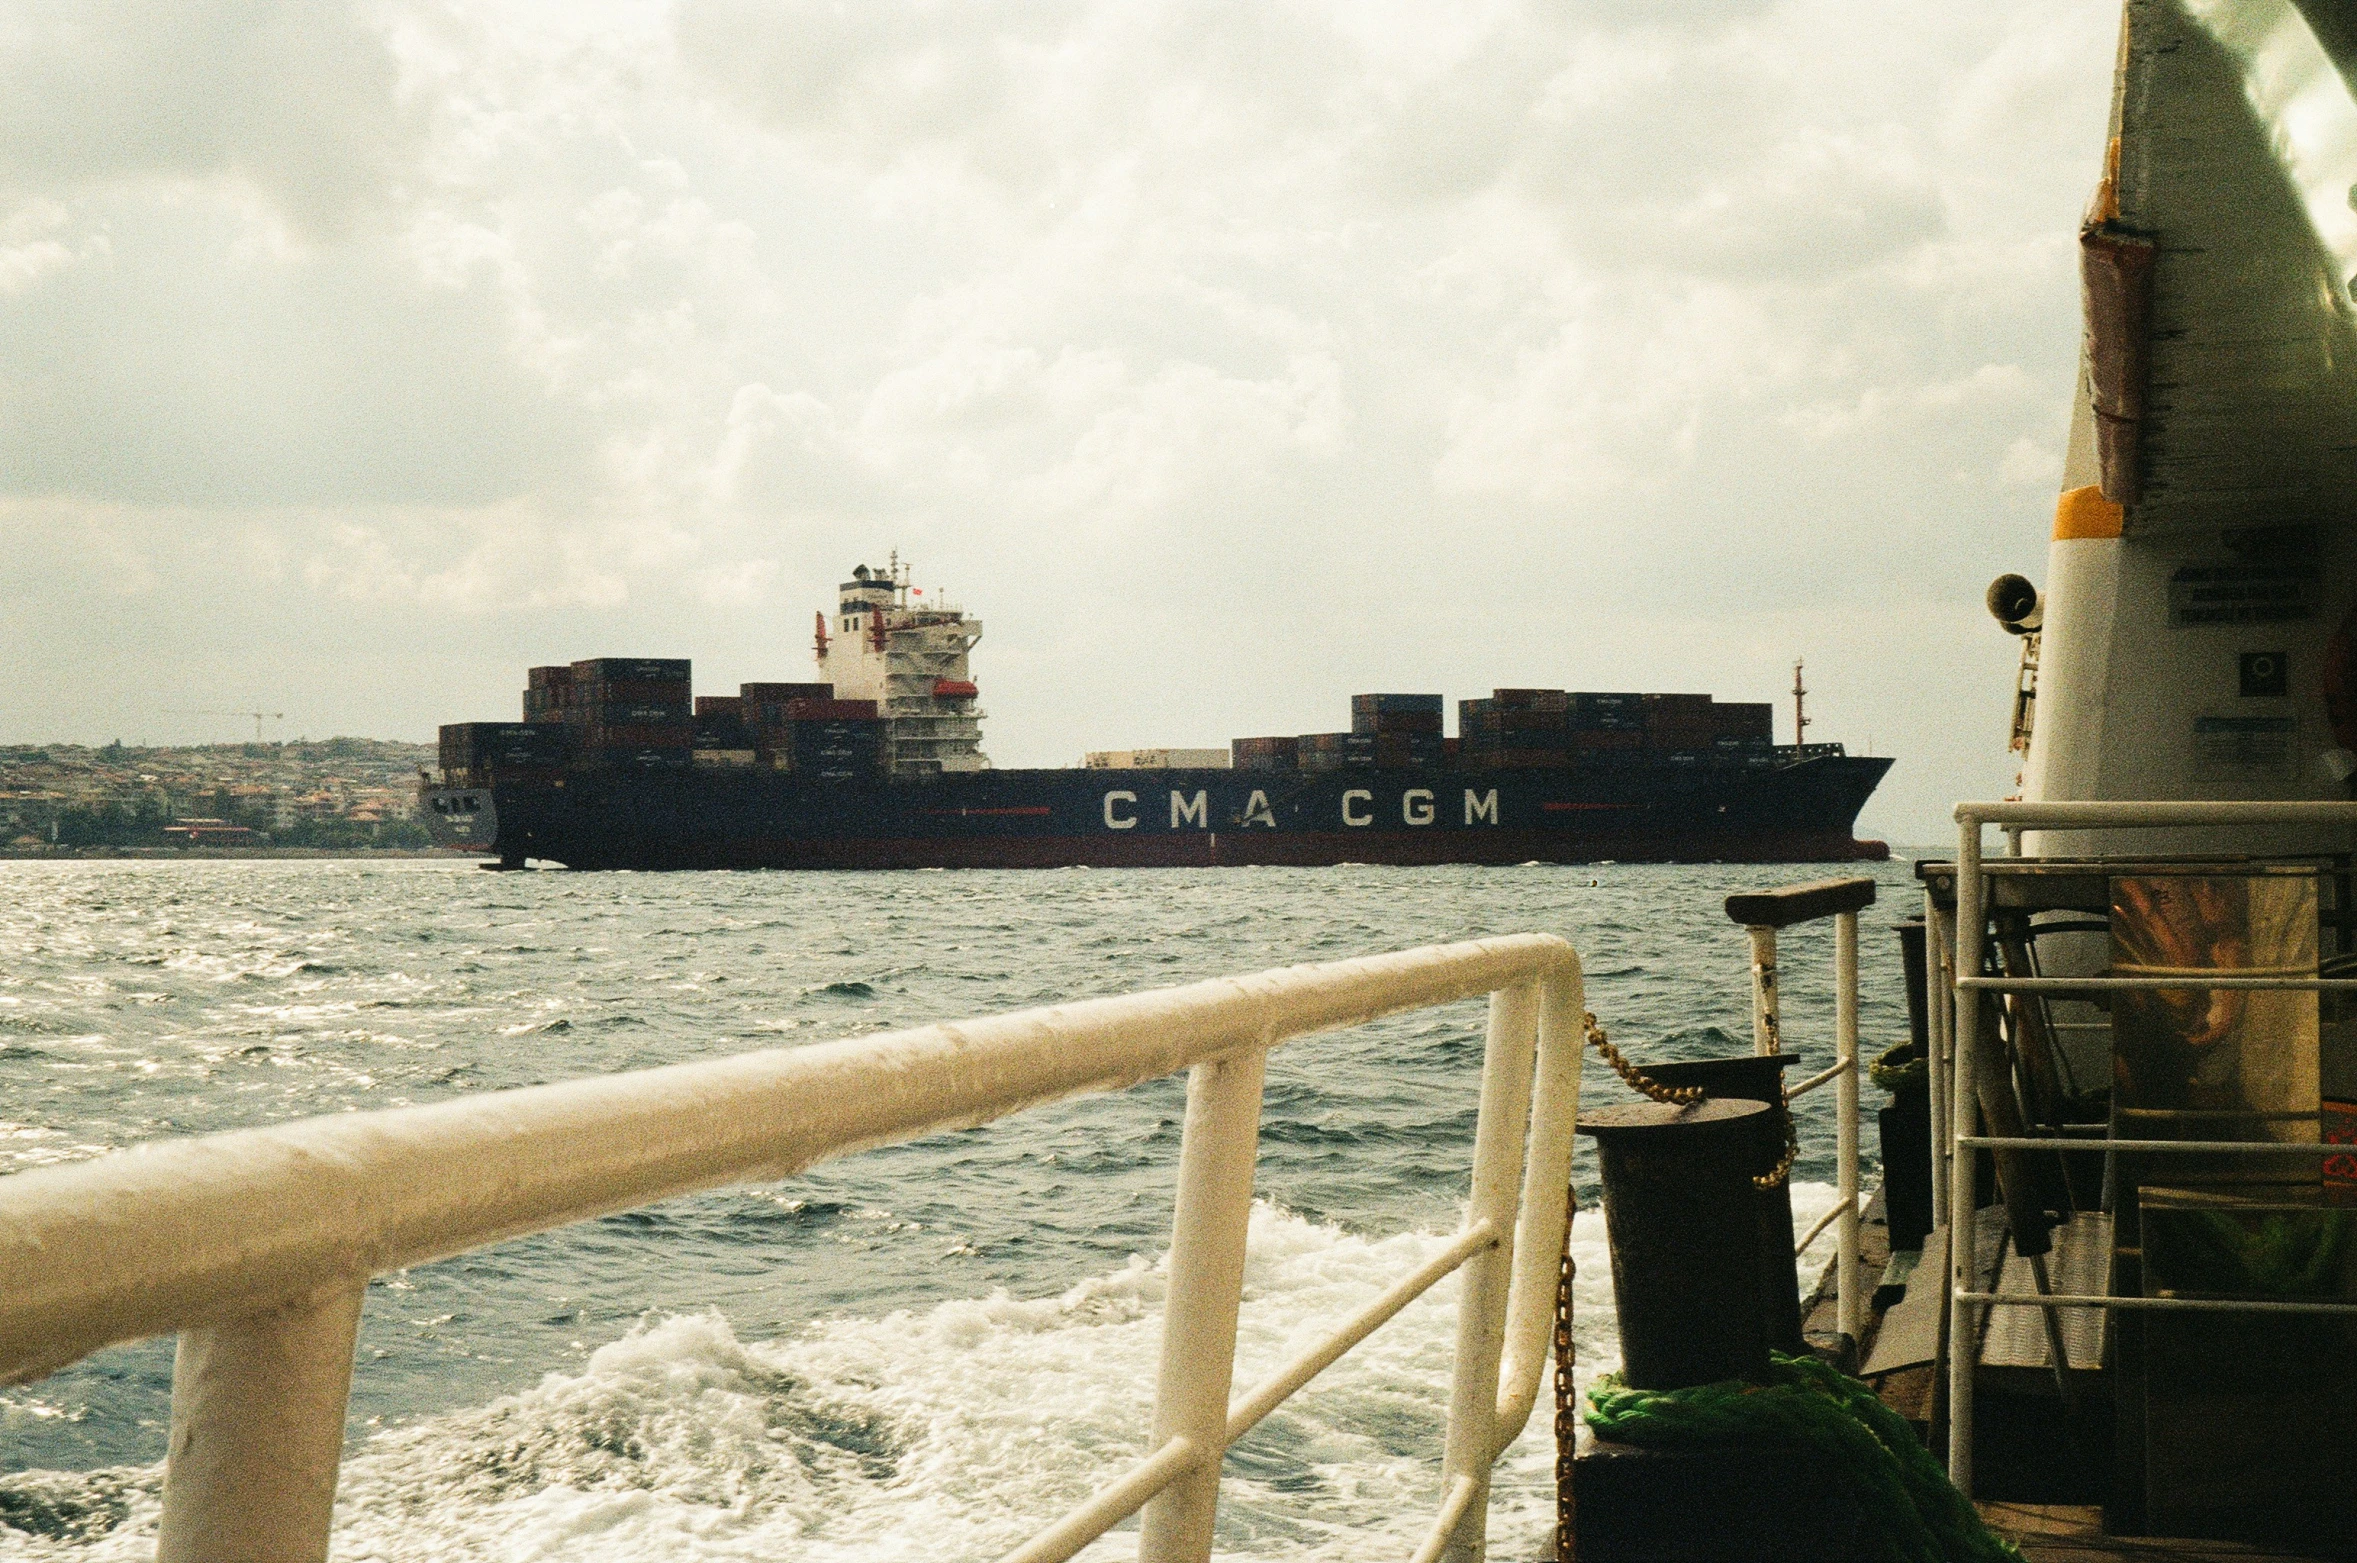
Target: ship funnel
[2015, 603]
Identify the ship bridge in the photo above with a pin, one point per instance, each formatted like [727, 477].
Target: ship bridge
[907, 650]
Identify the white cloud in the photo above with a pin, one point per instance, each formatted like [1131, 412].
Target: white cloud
[298, 100]
[2030, 463]
[1302, 347]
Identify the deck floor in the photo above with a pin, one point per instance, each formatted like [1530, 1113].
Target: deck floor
[2064, 1533]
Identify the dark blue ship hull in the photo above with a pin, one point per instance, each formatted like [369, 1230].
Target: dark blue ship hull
[1802, 809]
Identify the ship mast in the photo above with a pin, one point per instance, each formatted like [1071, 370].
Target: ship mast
[1800, 708]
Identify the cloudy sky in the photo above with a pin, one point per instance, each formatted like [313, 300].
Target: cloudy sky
[1226, 358]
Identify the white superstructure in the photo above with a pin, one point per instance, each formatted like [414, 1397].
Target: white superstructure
[889, 643]
[2198, 614]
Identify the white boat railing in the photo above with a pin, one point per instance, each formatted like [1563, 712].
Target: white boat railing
[1956, 1064]
[1763, 914]
[256, 1247]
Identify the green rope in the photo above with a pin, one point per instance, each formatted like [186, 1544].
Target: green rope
[1806, 1405]
[1898, 1069]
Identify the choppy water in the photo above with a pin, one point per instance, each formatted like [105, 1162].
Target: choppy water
[923, 1352]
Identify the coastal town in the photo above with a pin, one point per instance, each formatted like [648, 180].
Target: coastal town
[335, 794]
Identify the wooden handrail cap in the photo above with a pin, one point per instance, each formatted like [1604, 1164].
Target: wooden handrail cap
[1781, 908]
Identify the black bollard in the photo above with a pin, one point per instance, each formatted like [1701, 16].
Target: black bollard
[1911, 961]
[1758, 1078]
[1906, 1123]
[1679, 1209]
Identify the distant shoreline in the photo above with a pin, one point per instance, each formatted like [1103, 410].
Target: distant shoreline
[180, 854]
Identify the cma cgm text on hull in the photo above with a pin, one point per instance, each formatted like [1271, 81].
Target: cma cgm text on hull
[879, 764]
[1067, 818]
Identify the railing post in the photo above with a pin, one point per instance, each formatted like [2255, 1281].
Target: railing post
[1767, 1028]
[1216, 1155]
[1939, 996]
[1963, 1340]
[1845, 1088]
[1548, 1203]
[1507, 1062]
[257, 1434]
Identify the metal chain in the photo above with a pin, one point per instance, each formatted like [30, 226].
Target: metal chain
[1687, 1095]
[1775, 1176]
[1566, 1404]
[1642, 1084]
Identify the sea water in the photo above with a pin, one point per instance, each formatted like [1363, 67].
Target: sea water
[921, 1352]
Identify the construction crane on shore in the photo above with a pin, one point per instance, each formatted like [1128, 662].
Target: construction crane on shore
[259, 717]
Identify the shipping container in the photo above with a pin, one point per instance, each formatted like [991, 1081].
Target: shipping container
[1515, 720]
[547, 704]
[1396, 705]
[631, 691]
[1265, 754]
[1608, 719]
[557, 677]
[769, 707]
[613, 670]
[720, 705]
[817, 745]
[658, 759]
[1530, 699]
[1155, 760]
[831, 710]
[1367, 722]
[1394, 751]
[478, 747]
[582, 718]
[722, 730]
[636, 735]
[1747, 719]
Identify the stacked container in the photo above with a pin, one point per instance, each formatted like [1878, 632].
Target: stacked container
[835, 740]
[769, 729]
[1679, 722]
[632, 711]
[1334, 751]
[1525, 729]
[763, 706]
[1265, 754]
[474, 754]
[1743, 727]
[547, 693]
[1405, 728]
[721, 735]
[1606, 722]
[1517, 729]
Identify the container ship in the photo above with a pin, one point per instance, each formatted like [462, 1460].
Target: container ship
[878, 763]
